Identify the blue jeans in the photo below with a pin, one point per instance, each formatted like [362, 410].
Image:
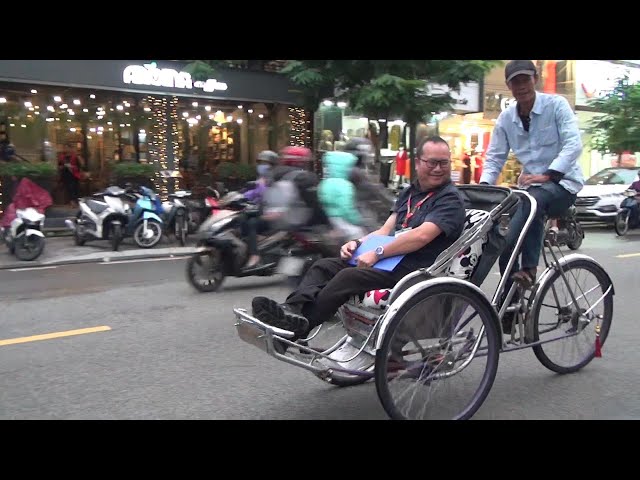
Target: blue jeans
[552, 200]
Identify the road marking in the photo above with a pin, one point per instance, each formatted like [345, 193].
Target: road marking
[48, 336]
[29, 268]
[141, 260]
[627, 255]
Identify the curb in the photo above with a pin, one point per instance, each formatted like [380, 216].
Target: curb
[105, 258]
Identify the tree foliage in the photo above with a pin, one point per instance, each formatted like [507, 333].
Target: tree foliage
[618, 128]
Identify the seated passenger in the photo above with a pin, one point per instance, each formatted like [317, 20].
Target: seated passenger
[427, 218]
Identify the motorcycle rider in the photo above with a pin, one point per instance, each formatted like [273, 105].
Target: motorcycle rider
[256, 225]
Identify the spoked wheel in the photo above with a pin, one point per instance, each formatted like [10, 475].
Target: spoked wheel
[556, 316]
[205, 271]
[622, 223]
[150, 237]
[439, 355]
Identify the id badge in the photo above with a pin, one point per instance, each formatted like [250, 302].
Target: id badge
[402, 232]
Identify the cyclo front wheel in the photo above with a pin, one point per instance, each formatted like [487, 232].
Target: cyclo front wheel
[439, 355]
[569, 330]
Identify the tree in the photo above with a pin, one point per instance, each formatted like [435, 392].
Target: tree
[618, 128]
[386, 88]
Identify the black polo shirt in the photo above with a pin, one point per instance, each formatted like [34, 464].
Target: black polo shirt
[445, 208]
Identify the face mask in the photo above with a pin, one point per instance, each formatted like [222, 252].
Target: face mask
[263, 170]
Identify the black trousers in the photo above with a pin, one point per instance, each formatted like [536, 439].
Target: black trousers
[250, 230]
[330, 282]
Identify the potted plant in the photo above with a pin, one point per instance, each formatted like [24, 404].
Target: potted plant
[133, 172]
[227, 173]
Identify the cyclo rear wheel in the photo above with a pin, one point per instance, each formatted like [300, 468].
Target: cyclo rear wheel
[555, 316]
[437, 341]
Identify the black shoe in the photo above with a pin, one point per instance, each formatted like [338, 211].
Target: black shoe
[280, 316]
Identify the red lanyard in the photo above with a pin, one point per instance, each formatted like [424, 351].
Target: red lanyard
[410, 212]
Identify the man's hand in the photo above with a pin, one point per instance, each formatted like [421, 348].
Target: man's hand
[346, 251]
[367, 259]
[526, 179]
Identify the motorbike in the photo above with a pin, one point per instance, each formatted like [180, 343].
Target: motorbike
[221, 252]
[103, 216]
[175, 214]
[144, 225]
[570, 232]
[24, 236]
[627, 217]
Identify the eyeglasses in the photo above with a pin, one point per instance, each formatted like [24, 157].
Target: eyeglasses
[434, 162]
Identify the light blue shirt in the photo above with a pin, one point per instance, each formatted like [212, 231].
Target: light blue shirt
[552, 142]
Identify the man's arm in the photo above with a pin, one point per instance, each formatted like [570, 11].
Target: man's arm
[569, 139]
[496, 155]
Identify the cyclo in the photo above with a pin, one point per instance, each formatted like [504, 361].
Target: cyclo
[432, 342]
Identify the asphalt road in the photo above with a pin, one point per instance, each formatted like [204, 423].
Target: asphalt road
[156, 349]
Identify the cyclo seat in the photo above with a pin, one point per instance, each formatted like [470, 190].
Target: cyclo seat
[480, 200]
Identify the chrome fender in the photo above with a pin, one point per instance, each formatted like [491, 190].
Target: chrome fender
[30, 231]
[404, 297]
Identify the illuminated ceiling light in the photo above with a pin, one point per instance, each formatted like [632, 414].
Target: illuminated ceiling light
[240, 107]
[57, 98]
[23, 126]
[37, 113]
[199, 117]
[92, 96]
[239, 121]
[50, 108]
[147, 109]
[122, 124]
[143, 131]
[109, 123]
[185, 114]
[3, 100]
[208, 108]
[92, 129]
[342, 104]
[72, 129]
[195, 104]
[37, 107]
[28, 104]
[12, 124]
[119, 107]
[100, 129]
[111, 129]
[50, 119]
[85, 110]
[76, 102]
[89, 137]
[229, 118]
[327, 103]
[250, 110]
[261, 116]
[33, 90]
[100, 133]
[31, 109]
[63, 106]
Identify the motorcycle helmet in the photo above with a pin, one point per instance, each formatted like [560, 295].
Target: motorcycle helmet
[296, 156]
[362, 148]
[267, 156]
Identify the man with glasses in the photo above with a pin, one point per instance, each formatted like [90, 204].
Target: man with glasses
[427, 218]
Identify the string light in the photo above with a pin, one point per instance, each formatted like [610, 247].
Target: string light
[300, 133]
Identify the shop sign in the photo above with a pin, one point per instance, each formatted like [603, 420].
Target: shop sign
[466, 100]
[595, 78]
[150, 74]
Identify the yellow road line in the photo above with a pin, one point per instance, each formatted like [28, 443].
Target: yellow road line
[627, 255]
[48, 336]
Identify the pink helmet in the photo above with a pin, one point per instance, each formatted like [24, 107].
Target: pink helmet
[296, 156]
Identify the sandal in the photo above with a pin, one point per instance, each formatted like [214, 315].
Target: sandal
[526, 278]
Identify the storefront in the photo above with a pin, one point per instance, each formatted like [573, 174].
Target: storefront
[594, 79]
[115, 111]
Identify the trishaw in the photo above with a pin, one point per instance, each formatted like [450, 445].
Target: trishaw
[432, 342]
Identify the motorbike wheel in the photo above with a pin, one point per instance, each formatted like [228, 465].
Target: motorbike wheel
[78, 239]
[181, 228]
[578, 234]
[141, 241]
[209, 263]
[28, 250]
[116, 236]
[621, 224]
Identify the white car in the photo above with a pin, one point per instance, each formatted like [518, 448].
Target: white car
[600, 198]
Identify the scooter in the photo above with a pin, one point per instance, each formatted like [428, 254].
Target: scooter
[144, 225]
[221, 252]
[103, 216]
[175, 214]
[24, 236]
[627, 217]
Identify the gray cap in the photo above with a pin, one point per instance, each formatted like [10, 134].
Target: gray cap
[519, 67]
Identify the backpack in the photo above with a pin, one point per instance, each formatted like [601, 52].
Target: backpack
[283, 199]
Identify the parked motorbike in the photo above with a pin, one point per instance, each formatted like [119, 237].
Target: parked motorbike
[222, 253]
[175, 214]
[102, 216]
[144, 225]
[570, 232]
[24, 236]
[627, 217]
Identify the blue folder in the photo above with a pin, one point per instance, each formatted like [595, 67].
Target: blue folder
[371, 243]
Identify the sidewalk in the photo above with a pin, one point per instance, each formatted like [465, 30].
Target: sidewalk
[62, 251]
